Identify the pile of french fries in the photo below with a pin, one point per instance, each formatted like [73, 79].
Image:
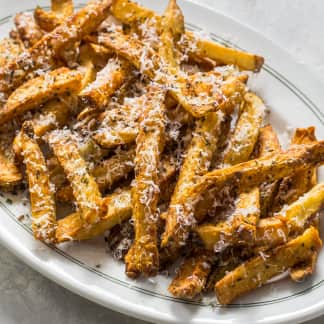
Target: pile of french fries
[150, 134]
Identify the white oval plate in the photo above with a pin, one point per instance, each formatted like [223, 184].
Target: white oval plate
[294, 97]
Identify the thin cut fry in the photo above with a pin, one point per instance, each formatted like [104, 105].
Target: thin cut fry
[143, 256]
[85, 189]
[35, 92]
[40, 189]
[63, 8]
[257, 271]
[47, 20]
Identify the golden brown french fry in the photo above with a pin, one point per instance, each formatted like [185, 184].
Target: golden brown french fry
[108, 80]
[268, 143]
[242, 142]
[244, 175]
[119, 207]
[196, 164]
[257, 271]
[296, 185]
[143, 256]
[39, 90]
[304, 269]
[106, 173]
[53, 46]
[9, 172]
[192, 275]
[54, 114]
[28, 31]
[131, 13]
[85, 189]
[41, 192]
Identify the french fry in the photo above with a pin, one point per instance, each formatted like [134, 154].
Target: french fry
[192, 275]
[87, 65]
[131, 13]
[119, 206]
[106, 173]
[10, 174]
[108, 80]
[143, 256]
[41, 192]
[49, 48]
[54, 114]
[47, 20]
[196, 164]
[62, 8]
[268, 144]
[246, 133]
[257, 271]
[28, 31]
[35, 92]
[85, 189]
[119, 209]
[296, 185]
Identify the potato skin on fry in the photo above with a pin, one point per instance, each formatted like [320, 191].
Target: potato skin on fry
[35, 92]
[257, 271]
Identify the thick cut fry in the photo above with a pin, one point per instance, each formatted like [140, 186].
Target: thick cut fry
[296, 185]
[257, 271]
[108, 80]
[53, 46]
[106, 173]
[85, 189]
[35, 92]
[9, 172]
[197, 93]
[40, 189]
[143, 256]
[247, 130]
[244, 175]
[119, 207]
[29, 32]
[268, 144]
[192, 275]
[131, 13]
[54, 114]
[196, 164]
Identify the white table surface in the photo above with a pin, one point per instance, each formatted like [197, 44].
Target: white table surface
[26, 297]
